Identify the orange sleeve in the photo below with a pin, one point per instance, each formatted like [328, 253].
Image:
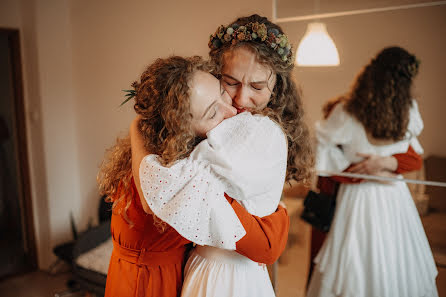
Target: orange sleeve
[408, 161]
[265, 237]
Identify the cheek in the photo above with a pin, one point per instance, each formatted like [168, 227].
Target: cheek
[227, 98]
[262, 99]
[198, 129]
[230, 91]
[204, 127]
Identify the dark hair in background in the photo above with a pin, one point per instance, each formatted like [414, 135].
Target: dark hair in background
[381, 96]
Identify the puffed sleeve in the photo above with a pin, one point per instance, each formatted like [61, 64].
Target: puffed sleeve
[249, 153]
[189, 197]
[332, 133]
[245, 156]
[415, 127]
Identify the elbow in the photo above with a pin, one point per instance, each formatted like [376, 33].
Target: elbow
[270, 255]
[267, 255]
[270, 260]
[418, 163]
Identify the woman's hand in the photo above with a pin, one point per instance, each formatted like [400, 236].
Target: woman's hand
[374, 165]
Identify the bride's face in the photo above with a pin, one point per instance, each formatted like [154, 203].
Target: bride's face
[210, 104]
[248, 83]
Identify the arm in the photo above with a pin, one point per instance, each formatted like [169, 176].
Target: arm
[376, 165]
[138, 153]
[265, 237]
[409, 161]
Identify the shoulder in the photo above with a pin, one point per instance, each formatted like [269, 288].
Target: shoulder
[338, 119]
[260, 122]
[339, 113]
[415, 121]
[265, 127]
[248, 135]
[246, 127]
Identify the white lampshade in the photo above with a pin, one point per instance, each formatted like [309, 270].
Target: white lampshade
[317, 48]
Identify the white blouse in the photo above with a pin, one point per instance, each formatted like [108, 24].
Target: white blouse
[245, 156]
[341, 129]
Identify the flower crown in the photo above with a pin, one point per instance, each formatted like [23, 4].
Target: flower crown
[253, 32]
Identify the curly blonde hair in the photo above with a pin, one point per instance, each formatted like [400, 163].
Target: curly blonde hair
[285, 106]
[162, 100]
[381, 96]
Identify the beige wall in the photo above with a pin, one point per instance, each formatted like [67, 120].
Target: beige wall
[359, 37]
[78, 56]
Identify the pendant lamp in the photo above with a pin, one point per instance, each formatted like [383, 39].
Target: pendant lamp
[316, 48]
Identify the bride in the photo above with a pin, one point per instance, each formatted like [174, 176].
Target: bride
[376, 245]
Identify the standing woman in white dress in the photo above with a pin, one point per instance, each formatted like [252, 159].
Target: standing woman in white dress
[376, 245]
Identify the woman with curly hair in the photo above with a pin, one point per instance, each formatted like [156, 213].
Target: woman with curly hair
[177, 101]
[376, 245]
[254, 60]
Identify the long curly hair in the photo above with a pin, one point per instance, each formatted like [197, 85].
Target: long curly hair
[285, 106]
[381, 96]
[162, 100]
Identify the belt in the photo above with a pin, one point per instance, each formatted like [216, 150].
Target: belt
[149, 258]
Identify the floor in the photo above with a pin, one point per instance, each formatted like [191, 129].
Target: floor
[292, 268]
[36, 284]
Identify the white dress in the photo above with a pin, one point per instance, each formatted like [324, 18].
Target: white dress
[376, 245]
[245, 156]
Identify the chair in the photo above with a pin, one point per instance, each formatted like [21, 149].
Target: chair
[86, 277]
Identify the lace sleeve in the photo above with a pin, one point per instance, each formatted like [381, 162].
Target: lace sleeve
[191, 200]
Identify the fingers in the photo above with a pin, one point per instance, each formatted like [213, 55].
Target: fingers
[360, 168]
[366, 156]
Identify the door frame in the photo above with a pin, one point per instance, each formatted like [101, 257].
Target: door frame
[23, 178]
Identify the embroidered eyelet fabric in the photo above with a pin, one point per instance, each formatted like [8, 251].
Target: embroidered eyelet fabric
[245, 156]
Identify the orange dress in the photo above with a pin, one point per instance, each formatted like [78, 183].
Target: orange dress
[147, 262]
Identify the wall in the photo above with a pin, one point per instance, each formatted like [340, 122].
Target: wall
[359, 37]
